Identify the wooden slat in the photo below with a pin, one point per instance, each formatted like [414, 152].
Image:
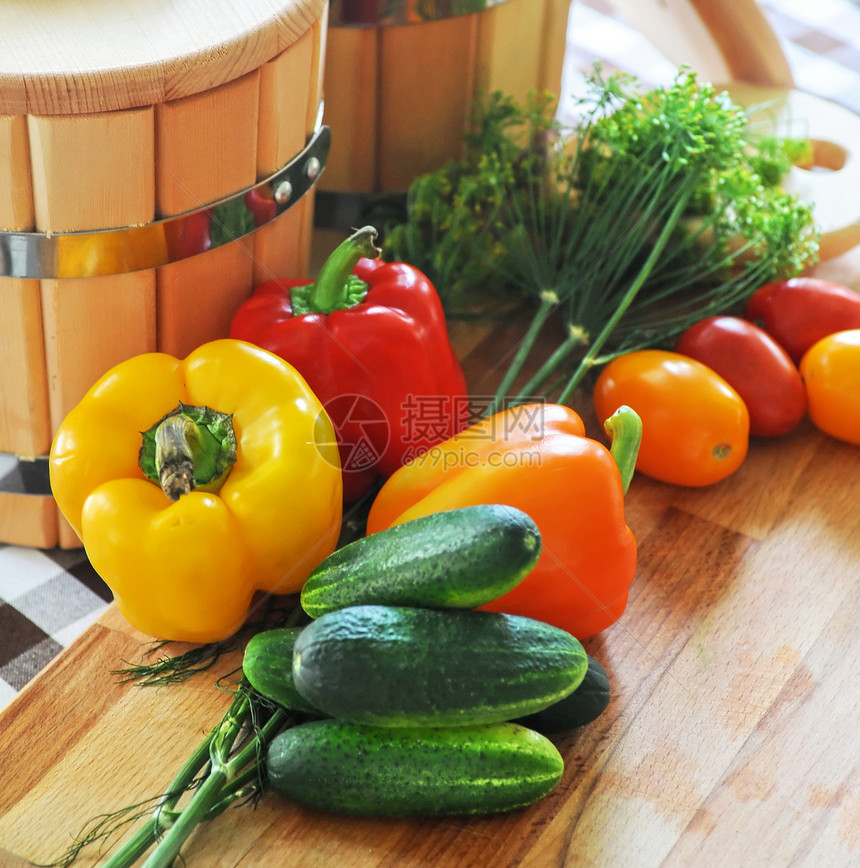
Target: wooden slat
[30, 520]
[553, 46]
[513, 29]
[207, 146]
[92, 172]
[16, 201]
[427, 80]
[289, 100]
[24, 424]
[351, 91]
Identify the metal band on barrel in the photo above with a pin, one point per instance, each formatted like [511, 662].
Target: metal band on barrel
[384, 13]
[133, 248]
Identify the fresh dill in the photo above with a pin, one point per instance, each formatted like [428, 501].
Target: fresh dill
[226, 768]
[654, 211]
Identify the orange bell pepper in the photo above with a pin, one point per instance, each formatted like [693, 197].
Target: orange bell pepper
[537, 458]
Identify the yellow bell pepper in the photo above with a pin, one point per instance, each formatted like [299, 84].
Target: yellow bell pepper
[184, 562]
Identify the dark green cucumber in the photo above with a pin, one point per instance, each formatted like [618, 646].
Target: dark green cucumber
[350, 768]
[397, 666]
[579, 708]
[268, 666]
[460, 558]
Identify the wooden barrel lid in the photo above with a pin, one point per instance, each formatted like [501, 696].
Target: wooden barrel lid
[84, 56]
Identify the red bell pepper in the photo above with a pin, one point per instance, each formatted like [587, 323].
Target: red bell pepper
[370, 339]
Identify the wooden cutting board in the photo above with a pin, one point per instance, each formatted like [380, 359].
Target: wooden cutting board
[731, 737]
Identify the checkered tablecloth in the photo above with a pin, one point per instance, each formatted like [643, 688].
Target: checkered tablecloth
[821, 40]
[48, 598]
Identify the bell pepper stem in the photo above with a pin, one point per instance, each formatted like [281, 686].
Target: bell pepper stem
[331, 290]
[176, 439]
[624, 429]
[190, 447]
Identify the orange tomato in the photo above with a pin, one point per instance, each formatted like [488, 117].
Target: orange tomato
[831, 373]
[695, 427]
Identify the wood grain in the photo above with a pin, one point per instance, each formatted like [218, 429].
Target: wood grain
[69, 57]
[25, 427]
[198, 296]
[398, 98]
[730, 737]
[290, 94]
[80, 179]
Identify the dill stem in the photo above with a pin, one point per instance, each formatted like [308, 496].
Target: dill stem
[548, 301]
[548, 368]
[137, 845]
[224, 782]
[149, 833]
[588, 359]
[220, 744]
[251, 750]
[208, 792]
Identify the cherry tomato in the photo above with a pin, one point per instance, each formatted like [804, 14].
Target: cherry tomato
[800, 311]
[831, 372]
[695, 426]
[755, 366]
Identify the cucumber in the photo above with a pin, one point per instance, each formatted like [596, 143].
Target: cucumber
[460, 558]
[268, 665]
[350, 768]
[401, 666]
[579, 708]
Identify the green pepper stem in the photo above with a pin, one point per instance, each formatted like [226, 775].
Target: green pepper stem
[624, 428]
[330, 291]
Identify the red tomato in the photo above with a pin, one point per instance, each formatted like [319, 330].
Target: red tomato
[800, 311]
[695, 427]
[831, 372]
[755, 366]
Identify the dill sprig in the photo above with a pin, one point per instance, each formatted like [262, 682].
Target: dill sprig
[654, 211]
[225, 769]
[268, 612]
[176, 668]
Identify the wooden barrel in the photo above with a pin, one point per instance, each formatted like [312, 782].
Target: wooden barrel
[154, 160]
[401, 77]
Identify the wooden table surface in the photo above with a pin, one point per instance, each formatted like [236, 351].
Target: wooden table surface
[731, 737]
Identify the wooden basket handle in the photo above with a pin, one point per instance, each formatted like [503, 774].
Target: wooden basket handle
[724, 40]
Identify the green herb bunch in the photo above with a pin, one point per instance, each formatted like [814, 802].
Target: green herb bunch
[656, 210]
